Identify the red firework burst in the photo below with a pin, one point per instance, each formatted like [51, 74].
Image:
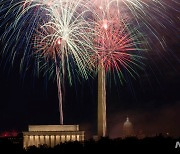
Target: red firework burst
[116, 46]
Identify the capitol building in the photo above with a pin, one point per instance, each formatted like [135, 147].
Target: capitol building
[128, 128]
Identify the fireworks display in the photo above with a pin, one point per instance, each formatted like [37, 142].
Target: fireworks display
[117, 46]
[71, 37]
[66, 39]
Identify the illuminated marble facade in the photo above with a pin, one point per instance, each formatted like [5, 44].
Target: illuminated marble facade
[51, 135]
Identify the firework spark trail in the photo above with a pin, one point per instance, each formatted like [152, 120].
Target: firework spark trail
[60, 96]
[65, 38]
[47, 47]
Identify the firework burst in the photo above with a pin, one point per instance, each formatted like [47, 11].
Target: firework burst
[118, 47]
[65, 39]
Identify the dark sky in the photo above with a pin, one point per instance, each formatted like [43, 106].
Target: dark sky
[152, 101]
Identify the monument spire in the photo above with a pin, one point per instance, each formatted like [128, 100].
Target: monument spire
[101, 101]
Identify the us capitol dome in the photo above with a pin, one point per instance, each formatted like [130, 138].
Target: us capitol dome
[128, 128]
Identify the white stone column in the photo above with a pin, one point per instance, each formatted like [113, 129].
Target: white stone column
[78, 139]
[52, 140]
[36, 140]
[57, 139]
[63, 138]
[41, 139]
[47, 140]
[73, 138]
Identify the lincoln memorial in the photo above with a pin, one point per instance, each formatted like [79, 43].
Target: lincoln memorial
[51, 135]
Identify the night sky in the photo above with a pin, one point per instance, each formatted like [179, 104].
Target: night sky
[152, 100]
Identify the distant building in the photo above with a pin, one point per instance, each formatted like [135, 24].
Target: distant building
[51, 135]
[128, 128]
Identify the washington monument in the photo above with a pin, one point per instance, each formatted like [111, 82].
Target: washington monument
[101, 102]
